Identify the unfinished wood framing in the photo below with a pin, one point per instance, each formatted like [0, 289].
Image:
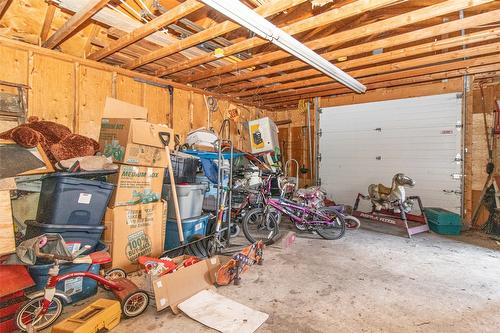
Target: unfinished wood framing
[210, 33]
[188, 42]
[74, 23]
[352, 34]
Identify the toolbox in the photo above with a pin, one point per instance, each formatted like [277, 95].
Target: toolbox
[101, 315]
[15, 279]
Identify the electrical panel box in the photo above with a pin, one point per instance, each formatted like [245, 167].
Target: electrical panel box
[263, 135]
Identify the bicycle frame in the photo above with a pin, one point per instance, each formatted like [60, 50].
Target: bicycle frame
[284, 206]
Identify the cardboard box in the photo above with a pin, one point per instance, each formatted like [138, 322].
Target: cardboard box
[174, 288]
[134, 231]
[128, 138]
[136, 184]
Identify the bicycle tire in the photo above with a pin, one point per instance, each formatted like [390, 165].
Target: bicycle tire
[247, 221]
[324, 232]
[20, 322]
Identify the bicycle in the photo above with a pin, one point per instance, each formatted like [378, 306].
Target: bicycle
[262, 223]
[44, 308]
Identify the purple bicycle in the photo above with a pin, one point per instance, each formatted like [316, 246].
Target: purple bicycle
[262, 223]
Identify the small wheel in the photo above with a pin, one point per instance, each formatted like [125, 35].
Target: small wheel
[300, 227]
[235, 230]
[114, 274]
[135, 303]
[352, 222]
[27, 314]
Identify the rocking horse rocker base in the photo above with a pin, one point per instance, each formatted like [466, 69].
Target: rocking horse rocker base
[400, 219]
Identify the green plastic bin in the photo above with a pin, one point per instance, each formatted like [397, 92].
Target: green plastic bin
[445, 229]
[442, 216]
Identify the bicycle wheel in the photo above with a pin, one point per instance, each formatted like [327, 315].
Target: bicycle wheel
[257, 225]
[332, 231]
[28, 313]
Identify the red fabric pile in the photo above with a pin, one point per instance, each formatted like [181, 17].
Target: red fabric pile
[56, 140]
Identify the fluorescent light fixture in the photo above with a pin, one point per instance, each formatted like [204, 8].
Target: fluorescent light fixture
[247, 18]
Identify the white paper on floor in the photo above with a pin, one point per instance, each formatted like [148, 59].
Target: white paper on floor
[222, 313]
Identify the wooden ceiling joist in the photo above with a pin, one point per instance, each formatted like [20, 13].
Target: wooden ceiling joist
[4, 4]
[393, 67]
[462, 66]
[147, 29]
[395, 55]
[47, 22]
[329, 17]
[74, 23]
[492, 70]
[412, 36]
[419, 15]
[210, 33]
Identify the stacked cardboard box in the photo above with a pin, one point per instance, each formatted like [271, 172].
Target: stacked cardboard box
[135, 218]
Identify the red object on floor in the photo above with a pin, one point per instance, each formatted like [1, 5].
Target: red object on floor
[14, 279]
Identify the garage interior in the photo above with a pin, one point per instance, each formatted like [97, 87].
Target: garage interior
[250, 165]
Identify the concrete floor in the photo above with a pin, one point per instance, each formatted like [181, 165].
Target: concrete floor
[368, 281]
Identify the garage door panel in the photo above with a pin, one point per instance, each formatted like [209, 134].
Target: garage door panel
[416, 136]
[371, 123]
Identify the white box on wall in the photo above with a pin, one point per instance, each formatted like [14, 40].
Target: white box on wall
[263, 135]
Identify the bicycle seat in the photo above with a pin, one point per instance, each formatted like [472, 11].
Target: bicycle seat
[100, 257]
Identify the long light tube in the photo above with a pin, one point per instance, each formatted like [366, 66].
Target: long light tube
[247, 18]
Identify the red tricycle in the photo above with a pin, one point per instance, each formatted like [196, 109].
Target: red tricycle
[44, 307]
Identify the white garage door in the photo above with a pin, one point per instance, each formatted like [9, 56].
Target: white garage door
[368, 143]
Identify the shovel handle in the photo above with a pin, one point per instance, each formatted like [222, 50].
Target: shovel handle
[165, 138]
[174, 195]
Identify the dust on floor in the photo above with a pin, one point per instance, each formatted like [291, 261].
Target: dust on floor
[369, 281]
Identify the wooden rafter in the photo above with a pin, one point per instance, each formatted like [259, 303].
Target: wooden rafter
[47, 22]
[325, 18]
[395, 55]
[463, 65]
[423, 61]
[4, 5]
[492, 69]
[147, 29]
[412, 36]
[74, 23]
[394, 70]
[210, 33]
[418, 15]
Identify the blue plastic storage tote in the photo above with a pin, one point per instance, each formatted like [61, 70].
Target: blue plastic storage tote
[190, 227]
[76, 235]
[72, 200]
[77, 288]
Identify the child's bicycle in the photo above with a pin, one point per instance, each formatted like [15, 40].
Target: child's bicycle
[262, 223]
[44, 308]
